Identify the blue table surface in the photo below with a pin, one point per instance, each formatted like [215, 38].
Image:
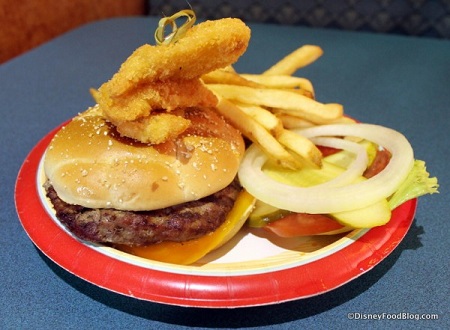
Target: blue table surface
[395, 81]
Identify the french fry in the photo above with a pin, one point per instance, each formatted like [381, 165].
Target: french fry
[265, 107]
[317, 113]
[264, 117]
[257, 134]
[281, 81]
[228, 78]
[344, 120]
[301, 146]
[229, 68]
[299, 58]
[293, 122]
[284, 101]
[303, 92]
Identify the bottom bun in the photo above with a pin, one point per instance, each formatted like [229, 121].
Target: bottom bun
[185, 253]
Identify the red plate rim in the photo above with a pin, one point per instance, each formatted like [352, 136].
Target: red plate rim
[193, 290]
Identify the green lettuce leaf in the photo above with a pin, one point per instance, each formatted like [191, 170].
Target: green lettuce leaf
[418, 183]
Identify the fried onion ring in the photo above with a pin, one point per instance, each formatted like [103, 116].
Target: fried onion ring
[205, 47]
[167, 77]
[154, 129]
[157, 95]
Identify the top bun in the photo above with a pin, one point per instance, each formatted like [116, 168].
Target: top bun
[90, 164]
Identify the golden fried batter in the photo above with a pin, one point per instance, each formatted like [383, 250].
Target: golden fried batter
[154, 129]
[205, 47]
[156, 95]
[167, 77]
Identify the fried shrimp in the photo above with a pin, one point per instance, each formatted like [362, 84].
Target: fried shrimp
[167, 77]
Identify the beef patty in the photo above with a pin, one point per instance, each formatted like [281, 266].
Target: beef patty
[178, 223]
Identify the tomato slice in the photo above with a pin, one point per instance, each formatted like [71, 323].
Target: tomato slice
[327, 151]
[380, 161]
[303, 224]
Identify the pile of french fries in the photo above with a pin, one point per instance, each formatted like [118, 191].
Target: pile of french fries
[264, 107]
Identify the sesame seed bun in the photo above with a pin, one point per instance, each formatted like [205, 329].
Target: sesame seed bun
[90, 164]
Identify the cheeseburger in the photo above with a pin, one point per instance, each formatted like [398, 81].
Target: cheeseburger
[152, 162]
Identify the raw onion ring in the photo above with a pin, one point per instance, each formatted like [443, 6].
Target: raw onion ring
[331, 199]
[356, 168]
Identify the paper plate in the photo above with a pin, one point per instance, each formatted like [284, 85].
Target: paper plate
[250, 270]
